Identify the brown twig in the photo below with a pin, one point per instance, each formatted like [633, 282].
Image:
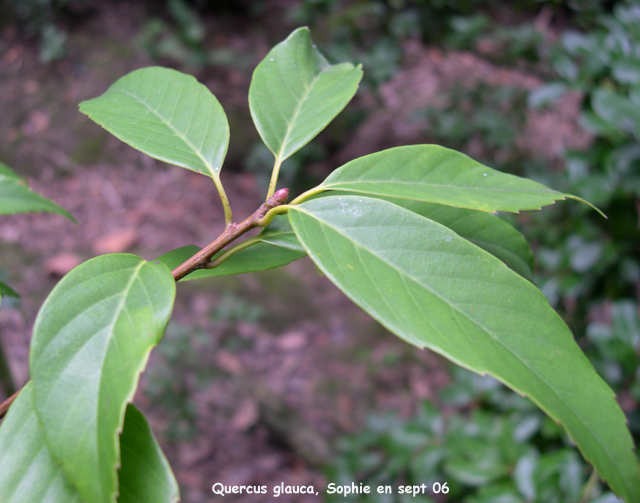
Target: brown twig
[231, 233]
[4, 406]
[203, 257]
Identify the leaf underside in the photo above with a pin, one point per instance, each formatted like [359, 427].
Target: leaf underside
[484, 230]
[29, 473]
[434, 289]
[92, 338]
[295, 93]
[167, 115]
[145, 475]
[435, 174]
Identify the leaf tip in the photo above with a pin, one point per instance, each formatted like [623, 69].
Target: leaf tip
[69, 216]
[576, 198]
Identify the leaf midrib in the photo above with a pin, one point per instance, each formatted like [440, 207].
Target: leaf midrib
[165, 121]
[117, 312]
[296, 111]
[474, 322]
[24, 194]
[338, 186]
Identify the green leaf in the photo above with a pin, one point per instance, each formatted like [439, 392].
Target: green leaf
[7, 290]
[434, 289]
[16, 197]
[280, 233]
[174, 258]
[257, 257]
[167, 115]
[28, 472]
[92, 338]
[618, 111]
[485, 230]
[295, 93]
[479, 467]
[275, 246]
[9, 173]
[546, 94]
[145, 475]
[435, 174]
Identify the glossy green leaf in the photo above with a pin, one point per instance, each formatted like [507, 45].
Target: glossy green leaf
[16, 197]
[145, 475]
[435, 174]
[7, 290]
[437, 290]
[28, 472]
[91, 340]
[167, 115]
[275, 246]
[295, 93]
[485, 230]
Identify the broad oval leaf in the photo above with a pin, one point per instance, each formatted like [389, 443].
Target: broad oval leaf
[484, 230]
[28, 472]
[145, 475]
[16, 197]
[436, 290]
[275, 246]
[435, 174]
[295, 93]
[167, 115]
[92, 338]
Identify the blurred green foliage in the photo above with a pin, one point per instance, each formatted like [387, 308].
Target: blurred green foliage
[181, 37]
[598, 260]
[182, 40]
[184, 364]
[178, 371]
[39, 18]
[492, 117]
[503, 450]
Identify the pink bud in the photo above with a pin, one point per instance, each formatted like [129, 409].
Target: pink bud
[281, 196]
